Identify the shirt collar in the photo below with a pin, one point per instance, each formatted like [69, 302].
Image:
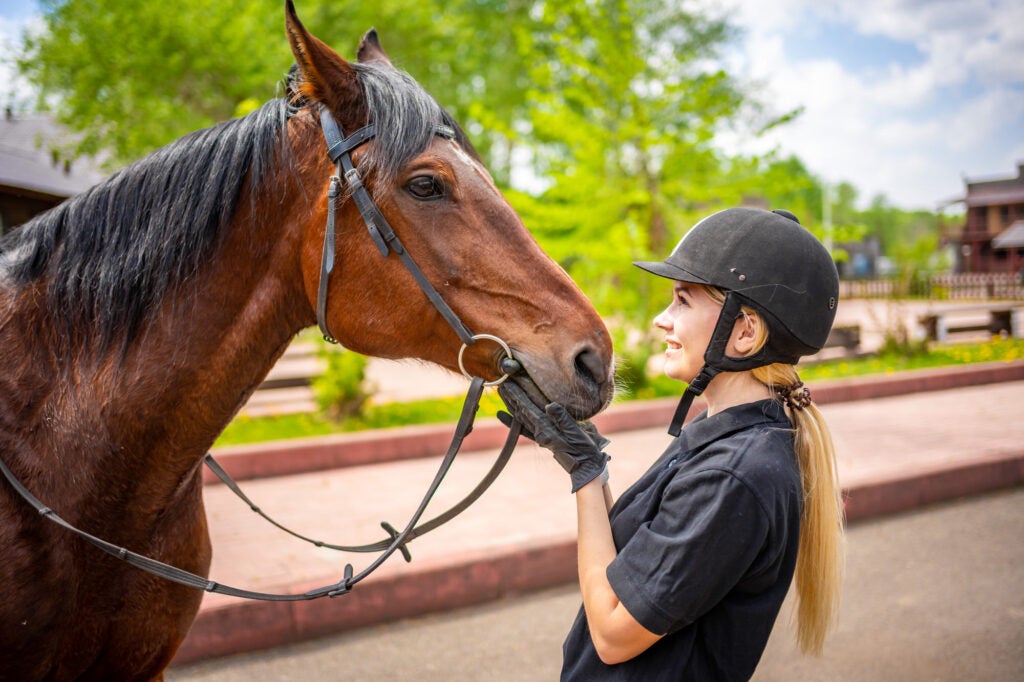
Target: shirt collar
[704, 429]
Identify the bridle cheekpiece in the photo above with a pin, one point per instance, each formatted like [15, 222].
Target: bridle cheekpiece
[339, 150]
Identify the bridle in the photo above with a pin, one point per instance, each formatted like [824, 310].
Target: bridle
[339, 149]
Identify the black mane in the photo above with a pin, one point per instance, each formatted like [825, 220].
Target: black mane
[405, 117]
[110, 254]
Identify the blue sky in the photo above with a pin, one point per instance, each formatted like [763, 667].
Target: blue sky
[900, 97]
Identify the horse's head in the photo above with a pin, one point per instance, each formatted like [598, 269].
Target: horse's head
[431, 187]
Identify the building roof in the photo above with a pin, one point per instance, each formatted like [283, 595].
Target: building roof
[28, 164]
[997, 192]
[1010, 238]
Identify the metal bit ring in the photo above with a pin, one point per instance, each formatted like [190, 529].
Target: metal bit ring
[489, 337]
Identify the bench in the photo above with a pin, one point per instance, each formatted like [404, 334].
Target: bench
[845, 336]
[843, 342]
[287, 388]
[1007, 320]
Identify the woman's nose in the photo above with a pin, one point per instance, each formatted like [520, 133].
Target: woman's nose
[663, 320]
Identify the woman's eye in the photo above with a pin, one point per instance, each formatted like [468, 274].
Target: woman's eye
[425, 187]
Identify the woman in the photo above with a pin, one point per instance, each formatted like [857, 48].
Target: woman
[684, 577]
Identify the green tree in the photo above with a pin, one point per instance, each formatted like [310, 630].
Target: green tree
[896, 228]
[613, 106]
[131, 77]
[626, 100]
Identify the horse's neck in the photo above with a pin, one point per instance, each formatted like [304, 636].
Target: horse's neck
[139, 419]
[192, 373]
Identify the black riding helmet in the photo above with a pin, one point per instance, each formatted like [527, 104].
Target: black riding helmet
[765, 260]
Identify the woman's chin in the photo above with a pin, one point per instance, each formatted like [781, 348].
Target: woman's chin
[672, 373]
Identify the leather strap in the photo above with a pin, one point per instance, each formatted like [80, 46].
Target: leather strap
[694, 389]
[384, 237]
[715, 360]
[499, 465]
[396, 542]
[327, 260]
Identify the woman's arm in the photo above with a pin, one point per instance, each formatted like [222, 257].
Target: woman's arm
[617, 635]
[578, 448]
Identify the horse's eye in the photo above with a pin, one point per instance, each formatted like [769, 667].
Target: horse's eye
[425, 187]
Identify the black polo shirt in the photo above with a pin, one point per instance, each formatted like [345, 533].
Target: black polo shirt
[707, 542]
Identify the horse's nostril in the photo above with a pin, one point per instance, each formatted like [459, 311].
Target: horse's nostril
[589, 366]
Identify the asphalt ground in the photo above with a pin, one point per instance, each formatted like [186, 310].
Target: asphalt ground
[932, 595]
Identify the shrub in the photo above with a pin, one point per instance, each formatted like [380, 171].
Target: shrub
[341, 391]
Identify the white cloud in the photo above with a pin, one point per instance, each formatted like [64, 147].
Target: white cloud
[982, 37]
[988, 117]
[909, 128]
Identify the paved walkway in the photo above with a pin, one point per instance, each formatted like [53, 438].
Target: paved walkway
[894, 453]
[931, 595]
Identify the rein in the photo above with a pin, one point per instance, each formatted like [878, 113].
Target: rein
[396, 542]
[422, 529]
[339, 149]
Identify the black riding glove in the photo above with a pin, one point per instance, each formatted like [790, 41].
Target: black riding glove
[577, 446]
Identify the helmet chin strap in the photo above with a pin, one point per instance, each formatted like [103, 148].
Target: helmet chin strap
[694, 389]
[716, 361]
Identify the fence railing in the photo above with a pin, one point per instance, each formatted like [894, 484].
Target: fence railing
[961, 287]
[976, 285]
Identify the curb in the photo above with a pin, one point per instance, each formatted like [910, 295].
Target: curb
[893, 495]
[282, 458]
[462, 581]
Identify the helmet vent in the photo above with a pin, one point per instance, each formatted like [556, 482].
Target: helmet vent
[741, 278]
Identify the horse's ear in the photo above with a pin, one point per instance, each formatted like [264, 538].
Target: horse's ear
[327, 77]
[370, 49]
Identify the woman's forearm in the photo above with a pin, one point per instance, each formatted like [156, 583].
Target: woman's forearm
[617, 635]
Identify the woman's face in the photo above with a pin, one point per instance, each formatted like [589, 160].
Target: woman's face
[688, 323]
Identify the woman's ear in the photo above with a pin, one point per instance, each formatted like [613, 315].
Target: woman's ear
[745, 334]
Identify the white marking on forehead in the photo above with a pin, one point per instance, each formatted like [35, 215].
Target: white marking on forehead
[477, 167]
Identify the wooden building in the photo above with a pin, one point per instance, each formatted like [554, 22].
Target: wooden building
[33, 176]
[993, 236]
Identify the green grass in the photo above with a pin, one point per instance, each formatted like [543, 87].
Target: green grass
[255, 429]
[245, 429]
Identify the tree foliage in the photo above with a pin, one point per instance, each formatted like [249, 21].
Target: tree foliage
[625, 101]
[599, 118]
[134, 76]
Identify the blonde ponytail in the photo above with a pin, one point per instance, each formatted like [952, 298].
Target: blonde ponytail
[820, 558]
[821, 554]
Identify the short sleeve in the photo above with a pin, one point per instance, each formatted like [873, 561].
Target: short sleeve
[708, 530]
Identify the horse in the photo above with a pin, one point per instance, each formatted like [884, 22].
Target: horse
[137, 317]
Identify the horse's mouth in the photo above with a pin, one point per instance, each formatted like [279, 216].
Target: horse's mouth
[533, 392]
[579, 391]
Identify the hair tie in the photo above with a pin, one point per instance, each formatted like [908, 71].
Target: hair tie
[795, 397]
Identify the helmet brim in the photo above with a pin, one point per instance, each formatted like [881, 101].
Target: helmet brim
[669, 271]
